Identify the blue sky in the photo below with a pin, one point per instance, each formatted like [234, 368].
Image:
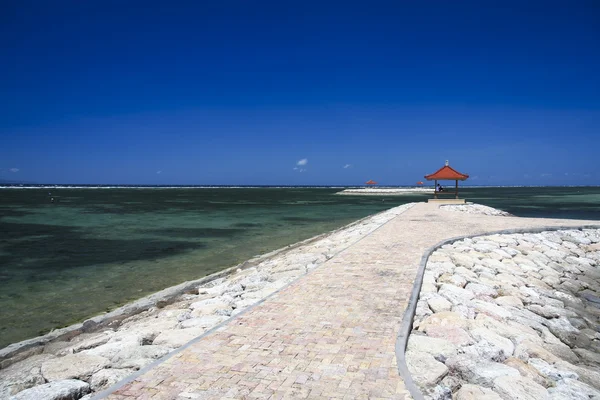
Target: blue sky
[241, 92]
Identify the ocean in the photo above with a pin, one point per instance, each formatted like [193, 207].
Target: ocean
[95, 249]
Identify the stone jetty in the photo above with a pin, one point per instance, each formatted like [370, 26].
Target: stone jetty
[322, 319]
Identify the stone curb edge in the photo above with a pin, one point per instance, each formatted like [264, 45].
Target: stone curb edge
[407, 320]
[105, 393]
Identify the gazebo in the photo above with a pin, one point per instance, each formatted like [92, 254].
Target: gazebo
[446, 173]
[370, 182]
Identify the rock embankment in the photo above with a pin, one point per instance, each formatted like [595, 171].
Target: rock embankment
[510, 317]
[475, 209]
[90, 362]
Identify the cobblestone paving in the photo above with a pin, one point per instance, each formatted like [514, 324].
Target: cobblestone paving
[332, 333]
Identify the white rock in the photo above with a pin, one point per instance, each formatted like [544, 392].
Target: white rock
[138, 357]
[455, 294]
[69, 389]
[108, 377]
[570, 389]
[73, 366]
[438, 303]
[509, 301]
[434, 346]
[479, 372]
[506, 345]
[464, 311]
[177, 337]
[22, 375]
[223, 301]
[425, 370]
[550, 371]
[206, 322]
[586, 355]
[490, 309]
[481, 290]
[462, 260]
[562, 329]
[475, 392]
[519, 388]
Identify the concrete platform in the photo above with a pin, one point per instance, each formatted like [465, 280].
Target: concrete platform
[447, 201]
[331, 333]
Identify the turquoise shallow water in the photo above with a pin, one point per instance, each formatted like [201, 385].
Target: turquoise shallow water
[95, 249]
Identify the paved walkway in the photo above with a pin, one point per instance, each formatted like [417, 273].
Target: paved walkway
[332, 333]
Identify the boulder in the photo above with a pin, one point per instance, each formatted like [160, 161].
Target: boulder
[562, 351]
[138, 357]
[514, 331]
[484, 351]
[438, 303]
[207, 322]
[22, 375]
[528, 349]
[550, 371]
[464, 311]
[588, 357]
[425, 369]
[453, 334]
[73, 366]
[462, 260]
[562, 329]
[527, 371]
[143, 331]
[475, 392]
[434, 346]
[455, 294]
[510, 301]
[88, 341]
[519, 388]
[492, 337]
[177, 337]
[478, 372]
[444, 318]
[509, 280]
[69, 389]
[467, 273]
[587, 375]
[108, 377]
[480, 290]
[571, 389]
[545, 311]
[456, 280]
[490, 309]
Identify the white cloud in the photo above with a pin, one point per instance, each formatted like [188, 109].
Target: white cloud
[302, 170]
[526, 176]
[304, 161]
[159, 172]
[347, 166]
[295, 168]
[14, 170]
[545, 175]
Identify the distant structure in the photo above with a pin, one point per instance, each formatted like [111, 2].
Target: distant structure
[446, 173]
[370, 182]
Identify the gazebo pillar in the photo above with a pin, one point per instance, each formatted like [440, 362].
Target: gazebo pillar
[456, 192]
[435, 190]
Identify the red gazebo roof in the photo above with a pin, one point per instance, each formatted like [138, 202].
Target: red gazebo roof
[371, 182]
[446, 173]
